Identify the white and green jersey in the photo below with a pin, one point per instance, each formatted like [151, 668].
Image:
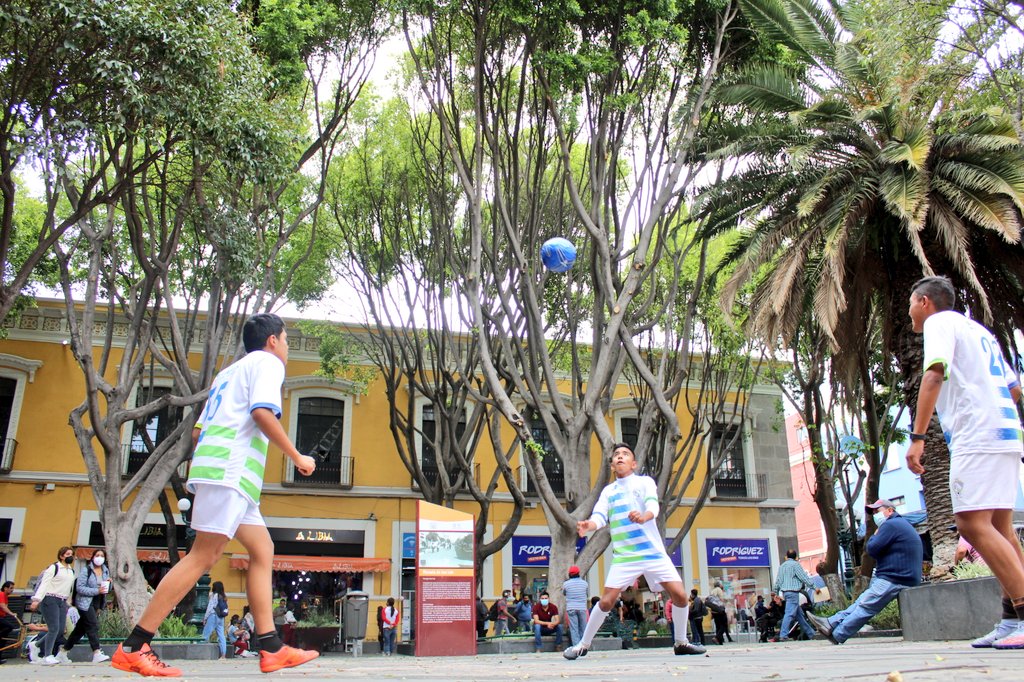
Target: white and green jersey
[975, 407]
[630, 541]
[232, 451]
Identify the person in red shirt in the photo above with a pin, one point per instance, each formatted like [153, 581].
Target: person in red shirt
[8, 620]
[545, 622]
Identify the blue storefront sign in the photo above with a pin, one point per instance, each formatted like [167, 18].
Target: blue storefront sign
[731, 552]
[408, 545]
[676, 556]
[535, 550]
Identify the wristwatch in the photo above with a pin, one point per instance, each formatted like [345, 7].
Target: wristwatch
[916, 437]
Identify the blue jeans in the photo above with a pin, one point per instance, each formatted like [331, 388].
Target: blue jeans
[389, 640]
[793, 610]
[846, 623]
[577, 624]
[539, 630]
[215, 624]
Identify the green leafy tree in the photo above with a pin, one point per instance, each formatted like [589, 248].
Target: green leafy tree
[857, 181]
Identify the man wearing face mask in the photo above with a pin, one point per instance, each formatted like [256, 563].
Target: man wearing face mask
[545, 622]
[51, 598]
[898, 553]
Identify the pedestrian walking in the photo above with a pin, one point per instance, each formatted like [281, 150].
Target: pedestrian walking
[91, 588]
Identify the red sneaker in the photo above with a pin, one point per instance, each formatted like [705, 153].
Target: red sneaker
[285, 657]
[144, 662]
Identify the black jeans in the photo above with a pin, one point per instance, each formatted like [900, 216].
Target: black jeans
[721, 627]
[55, 612]
[89, 626]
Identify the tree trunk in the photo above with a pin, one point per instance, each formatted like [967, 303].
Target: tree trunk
[125, 572]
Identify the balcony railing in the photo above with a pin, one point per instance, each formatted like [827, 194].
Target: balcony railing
[746, 487]
[431, 474]
[7, 459]
[336, 474]
[134, 458]
[555, 478]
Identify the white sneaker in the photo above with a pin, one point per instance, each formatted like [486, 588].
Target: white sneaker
[98, 656]
[1003, 628]
[62, 656]
[50, 660]
[574, 652]
[33, 652]
[1014, 640]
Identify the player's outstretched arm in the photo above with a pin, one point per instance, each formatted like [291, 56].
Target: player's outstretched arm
[272, 429]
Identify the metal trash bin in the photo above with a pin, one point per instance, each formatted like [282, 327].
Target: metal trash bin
[356, 610]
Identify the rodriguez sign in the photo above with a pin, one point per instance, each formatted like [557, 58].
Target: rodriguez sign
[731, 552]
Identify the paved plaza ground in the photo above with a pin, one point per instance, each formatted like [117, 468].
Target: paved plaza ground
[869, 659]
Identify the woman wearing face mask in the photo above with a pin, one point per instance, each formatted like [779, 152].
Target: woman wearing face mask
[52, 597]
[90, 593]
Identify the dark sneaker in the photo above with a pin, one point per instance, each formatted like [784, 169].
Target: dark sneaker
[822, 626]
[574, 652]
[688, 649]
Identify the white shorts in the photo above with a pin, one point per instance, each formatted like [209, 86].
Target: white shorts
[656, 571]
[984, 481]
[221, 510]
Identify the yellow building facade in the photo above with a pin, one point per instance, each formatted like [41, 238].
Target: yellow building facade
[352, 527]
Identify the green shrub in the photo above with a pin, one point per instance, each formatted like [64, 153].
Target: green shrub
[318, 619]
[114, 624]
[965, 570]
[888, 618]
[178, 629]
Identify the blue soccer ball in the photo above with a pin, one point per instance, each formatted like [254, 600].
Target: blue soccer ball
[558, 254]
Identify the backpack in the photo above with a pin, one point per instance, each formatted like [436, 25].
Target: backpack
[714, 603]
[221, 607]
[699, 609]
[492, 613]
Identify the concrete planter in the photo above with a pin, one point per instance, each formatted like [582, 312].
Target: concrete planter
[957, 609]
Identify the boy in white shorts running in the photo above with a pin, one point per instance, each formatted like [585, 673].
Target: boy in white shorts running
[226, 475]
[629, 505]
[976, 394]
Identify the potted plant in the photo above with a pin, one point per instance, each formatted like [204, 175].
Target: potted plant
[318, 630]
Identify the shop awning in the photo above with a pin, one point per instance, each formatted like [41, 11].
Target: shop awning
[321, 564]
[159, 556]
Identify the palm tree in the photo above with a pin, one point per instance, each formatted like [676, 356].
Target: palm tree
[860, 175]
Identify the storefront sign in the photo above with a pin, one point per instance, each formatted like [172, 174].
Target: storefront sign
[306, 535]
[743, 552]
[676, 556]
[535, 550]
[408, 545]
[445, 582]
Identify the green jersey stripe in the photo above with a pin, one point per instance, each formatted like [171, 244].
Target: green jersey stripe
[220, 432]
[251, 488]
[213, 451]
[207, 473]
[259, 445]
[254, 466]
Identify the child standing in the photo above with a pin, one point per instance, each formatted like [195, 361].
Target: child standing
[226, 476]
[629, 506]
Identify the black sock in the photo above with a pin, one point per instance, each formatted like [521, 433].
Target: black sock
[1017, 607]
[136, 639]
[270, 642]
[1008, 612]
